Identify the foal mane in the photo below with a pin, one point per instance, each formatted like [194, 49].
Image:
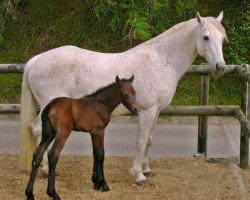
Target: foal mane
[100, 90]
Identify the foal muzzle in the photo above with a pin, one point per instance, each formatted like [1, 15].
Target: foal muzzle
[135, 110]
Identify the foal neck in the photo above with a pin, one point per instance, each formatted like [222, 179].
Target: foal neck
[109, 96]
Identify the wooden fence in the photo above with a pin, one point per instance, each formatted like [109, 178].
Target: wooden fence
[241, 112]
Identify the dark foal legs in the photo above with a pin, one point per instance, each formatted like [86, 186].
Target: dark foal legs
[98, 153]
[37, 159]
[53, 156]
[94, 175]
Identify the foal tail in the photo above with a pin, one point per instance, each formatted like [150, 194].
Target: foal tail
[47, 129]
[28, 114]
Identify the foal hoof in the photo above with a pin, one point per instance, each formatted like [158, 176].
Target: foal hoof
[30, 197]
[97, 186]
[56, 198]
[144, 183]
[105, 188]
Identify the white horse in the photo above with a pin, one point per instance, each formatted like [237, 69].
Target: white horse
[157, 64]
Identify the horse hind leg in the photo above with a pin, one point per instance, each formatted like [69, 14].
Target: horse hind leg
[36, 129]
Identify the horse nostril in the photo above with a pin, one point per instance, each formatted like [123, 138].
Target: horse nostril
[217, 67]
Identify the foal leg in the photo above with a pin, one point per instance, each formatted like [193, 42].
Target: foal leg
[146, 168]
[146, 119]
[36, 129]
[95, 164]
[98, 153]
[37, 159]
[53, 155]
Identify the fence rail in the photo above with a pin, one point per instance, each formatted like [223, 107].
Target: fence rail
[242, 112]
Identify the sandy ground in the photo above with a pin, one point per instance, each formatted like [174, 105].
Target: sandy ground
[173, 179]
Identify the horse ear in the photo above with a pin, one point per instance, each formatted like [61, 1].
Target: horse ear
[131, 79]
[220, 17]
[199, 18]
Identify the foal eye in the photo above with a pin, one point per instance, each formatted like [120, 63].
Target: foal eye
[206, 38]
[125, 95]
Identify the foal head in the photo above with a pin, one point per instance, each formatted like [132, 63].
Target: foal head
[127, 93]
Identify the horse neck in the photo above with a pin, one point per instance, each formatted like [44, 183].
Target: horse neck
[111, 97]
[177, 46]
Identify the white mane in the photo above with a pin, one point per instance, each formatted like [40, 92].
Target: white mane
[216, 23]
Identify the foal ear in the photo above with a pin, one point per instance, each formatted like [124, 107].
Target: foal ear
[199, 18]
[117, 80]
[220, 17]
[131, 79]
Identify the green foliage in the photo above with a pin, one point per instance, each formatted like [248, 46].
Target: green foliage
[31, 27]
[10, 89]
[142, 19]
[7, 11]
[238, 29]
[188, 89]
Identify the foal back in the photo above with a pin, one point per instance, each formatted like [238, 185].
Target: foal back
[84, 114]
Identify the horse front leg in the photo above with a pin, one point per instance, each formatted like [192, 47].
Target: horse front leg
[98, 152]
[146, 169]
[146, 120]
[36, 129]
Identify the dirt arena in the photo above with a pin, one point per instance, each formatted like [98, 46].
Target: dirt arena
[173, 179]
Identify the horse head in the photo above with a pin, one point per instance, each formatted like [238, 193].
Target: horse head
[209, 42]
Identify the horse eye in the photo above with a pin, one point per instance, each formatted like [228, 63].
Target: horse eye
[206, 38]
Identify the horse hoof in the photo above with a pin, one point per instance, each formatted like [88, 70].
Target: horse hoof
[149, 174]
[105, 188]
[143, 183]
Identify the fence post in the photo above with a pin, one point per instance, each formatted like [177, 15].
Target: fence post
[202, 123]
[244, 140]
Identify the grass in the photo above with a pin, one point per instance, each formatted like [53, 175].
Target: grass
[46, 24]
[10, 88]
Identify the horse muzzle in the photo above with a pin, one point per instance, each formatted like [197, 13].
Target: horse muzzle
[219, 68]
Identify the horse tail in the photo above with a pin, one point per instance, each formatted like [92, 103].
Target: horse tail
[28, 114]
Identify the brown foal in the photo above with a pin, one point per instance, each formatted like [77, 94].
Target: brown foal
[89, 114]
